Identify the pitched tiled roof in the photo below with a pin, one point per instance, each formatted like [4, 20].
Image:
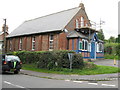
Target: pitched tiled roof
[49, 23]
[73, 34]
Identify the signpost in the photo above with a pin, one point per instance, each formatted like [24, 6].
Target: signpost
[70, 55]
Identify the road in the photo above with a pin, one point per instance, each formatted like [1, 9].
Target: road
[25, 81]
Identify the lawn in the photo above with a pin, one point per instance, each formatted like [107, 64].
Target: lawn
[97, 70]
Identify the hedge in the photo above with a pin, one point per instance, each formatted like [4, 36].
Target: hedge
[50, 59]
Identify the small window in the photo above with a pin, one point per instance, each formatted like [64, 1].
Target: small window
[77, 24]
[10, 45]
[33, 43]
[100, 47]
[97, 47]
[80, 45]
[84, 44]
[82, 21]
[51, 38]
[89, 47]
[20, 44]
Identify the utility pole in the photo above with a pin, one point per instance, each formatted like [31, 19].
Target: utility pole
[101, 22]
[4, 37]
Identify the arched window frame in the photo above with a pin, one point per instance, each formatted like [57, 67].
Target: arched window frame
[33, 43]
[84, 45]
[77, 23]
[20, 44]
[82, 21]
[100, 47]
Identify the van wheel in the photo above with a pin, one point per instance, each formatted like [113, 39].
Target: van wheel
[16, 72]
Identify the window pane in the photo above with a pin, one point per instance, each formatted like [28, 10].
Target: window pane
[77, 24]
[80, 45]
[82, 21]
[33, 43]
[51, 37]
[86, 45]
[83, 45]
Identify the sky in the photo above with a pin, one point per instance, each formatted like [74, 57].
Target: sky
[18, 11]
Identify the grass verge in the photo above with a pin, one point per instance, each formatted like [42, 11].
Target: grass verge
[110, 56]
[97, 70]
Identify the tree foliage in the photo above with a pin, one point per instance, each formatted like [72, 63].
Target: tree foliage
[101, 35]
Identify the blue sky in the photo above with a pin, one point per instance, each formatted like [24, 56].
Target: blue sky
[17, 11]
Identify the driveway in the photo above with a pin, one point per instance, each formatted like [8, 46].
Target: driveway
[106, 62]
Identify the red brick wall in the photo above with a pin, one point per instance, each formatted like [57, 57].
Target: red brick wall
[63, 41]
[70, 44]
[72, 24]
[75, 44]
[56, 41]
[45, 42]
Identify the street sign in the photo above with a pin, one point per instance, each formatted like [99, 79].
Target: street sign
[70, 55]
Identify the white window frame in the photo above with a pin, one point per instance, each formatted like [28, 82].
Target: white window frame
[97, 47]
[83, 47]
[51, 42]
[89, 47]
[100, 45]
[77, 23]
[79, 45]
[20, 44]
[82, 21]
[33, 43]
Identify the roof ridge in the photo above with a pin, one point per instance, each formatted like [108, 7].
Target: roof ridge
[52, 14]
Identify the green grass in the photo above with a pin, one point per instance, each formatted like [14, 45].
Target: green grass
[110, 56]
[98, 70]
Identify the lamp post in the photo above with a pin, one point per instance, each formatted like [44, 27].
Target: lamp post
[4, 37]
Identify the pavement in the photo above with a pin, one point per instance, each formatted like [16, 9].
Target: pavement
[100, 77]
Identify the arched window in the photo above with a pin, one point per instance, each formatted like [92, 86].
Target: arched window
[89, 47]
[84, 44]
[20, 44]
[97, 47]
[100, 47]
[77, 24]
[33, 43]
[82, 21]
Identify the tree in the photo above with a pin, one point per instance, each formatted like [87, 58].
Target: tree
[112, 39]
[100, 35]
[118, 39]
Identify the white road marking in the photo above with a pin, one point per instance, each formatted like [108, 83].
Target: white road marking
[78, 81]
[93, 83]
[108, 85]
[67, 80]
[13, 84]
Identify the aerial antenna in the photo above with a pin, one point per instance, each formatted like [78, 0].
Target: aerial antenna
[81, 1]
[101, 22]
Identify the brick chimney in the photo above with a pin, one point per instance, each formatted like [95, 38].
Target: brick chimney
[81, 5]
[6, 28]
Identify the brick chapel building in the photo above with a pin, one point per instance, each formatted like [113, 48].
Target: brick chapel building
[66, 30]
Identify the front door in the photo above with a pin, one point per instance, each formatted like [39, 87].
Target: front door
[93, 50]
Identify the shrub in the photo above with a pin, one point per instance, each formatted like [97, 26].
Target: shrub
[90, 65]
[50, 59]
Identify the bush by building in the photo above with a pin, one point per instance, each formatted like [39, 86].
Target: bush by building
[50, 59]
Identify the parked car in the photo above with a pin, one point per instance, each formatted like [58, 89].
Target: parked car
[11, 63]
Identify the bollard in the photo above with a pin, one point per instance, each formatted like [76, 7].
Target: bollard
[114, 61]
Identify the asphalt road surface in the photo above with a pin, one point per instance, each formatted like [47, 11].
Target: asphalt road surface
[25, 81]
